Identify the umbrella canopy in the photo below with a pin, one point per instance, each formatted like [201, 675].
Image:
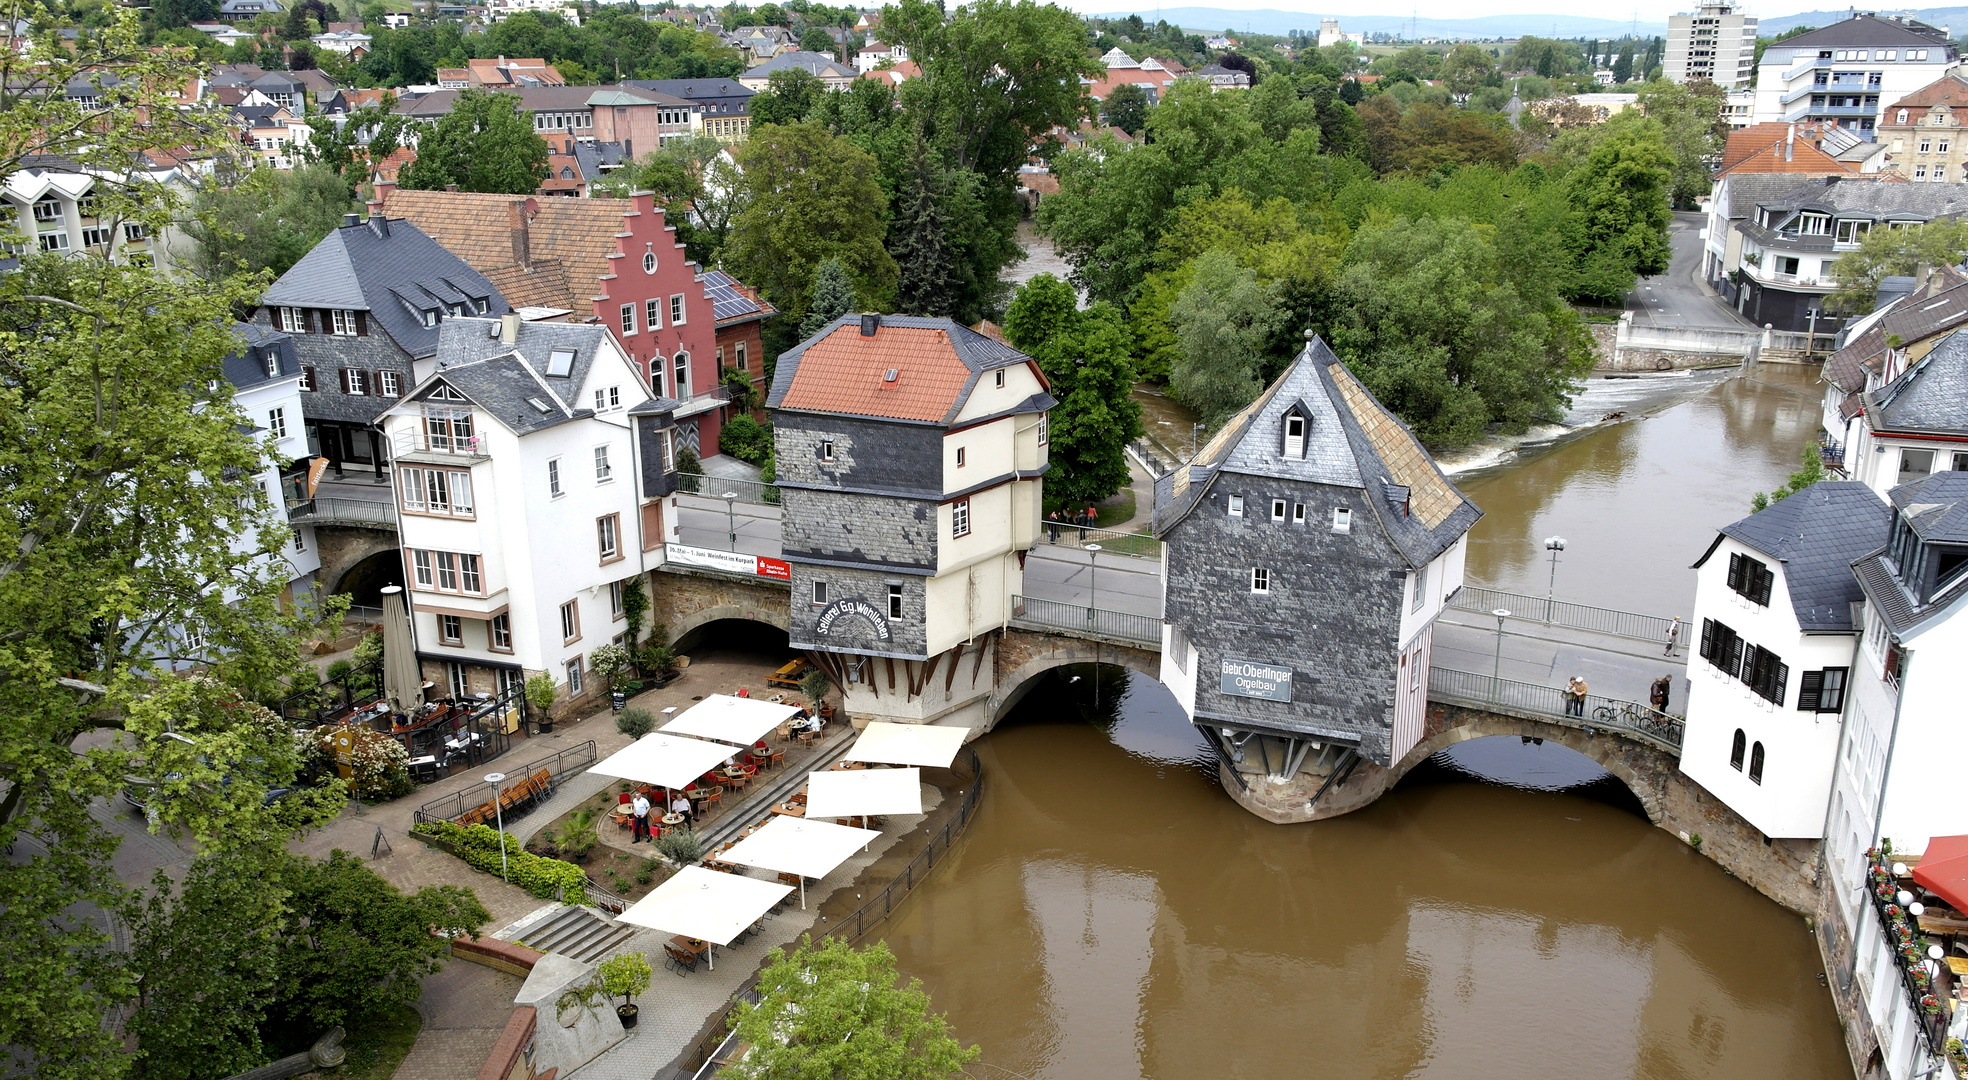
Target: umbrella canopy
[927, 745]
[664, 760]
[863, 791]
[705, 904]
[799, 846]
[743, 721]
[402, 679]
[1944, 869]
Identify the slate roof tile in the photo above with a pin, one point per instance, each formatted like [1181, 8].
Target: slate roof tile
[1931, 396]
[1816, 534]
[380, 270]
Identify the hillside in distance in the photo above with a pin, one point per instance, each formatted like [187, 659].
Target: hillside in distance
[1281, 23]
[1771, 26]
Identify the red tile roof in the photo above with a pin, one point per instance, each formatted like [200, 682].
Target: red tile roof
[1779, 148]
[845, 372]
[1946, 90]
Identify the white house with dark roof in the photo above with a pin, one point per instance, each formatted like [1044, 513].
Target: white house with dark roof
[1912, 417]
[266, 384]
[1850, 71]
[1774, 623]
[1311, 546]
[531, 466]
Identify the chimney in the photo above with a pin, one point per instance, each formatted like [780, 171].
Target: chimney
[522, 241]
[509, 328]
[869, 324]
[351, 219]
[1790, 142]
[382, 190]
[452, 188]
[379, 224]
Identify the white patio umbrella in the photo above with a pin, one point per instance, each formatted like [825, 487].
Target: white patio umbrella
[665, 760]
[790, 845]
[860, 792]
[742, 721]
[402, 681]
[927, 745]
[706, 905]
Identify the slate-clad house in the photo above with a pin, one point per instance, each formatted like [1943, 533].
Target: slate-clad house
[1310, 547]
[361, 307]
[1912, 417]
[910, 452]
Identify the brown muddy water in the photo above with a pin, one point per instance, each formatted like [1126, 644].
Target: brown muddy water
[1506, 912]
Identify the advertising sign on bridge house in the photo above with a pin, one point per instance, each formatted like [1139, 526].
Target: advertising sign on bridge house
[1246, 678]
[833, 612]
[731, 562]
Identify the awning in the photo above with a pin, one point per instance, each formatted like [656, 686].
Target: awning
[705, 904]
[742, 721]
[790, 845]
[1943, 869]
[665, 760]
[927, 745]
[854, 793]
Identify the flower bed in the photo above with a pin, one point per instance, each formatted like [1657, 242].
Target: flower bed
[479, 846]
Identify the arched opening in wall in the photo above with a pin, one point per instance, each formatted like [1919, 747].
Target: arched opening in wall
[1524, 764]
[1137, 713]
[741, 640]
[364, 581]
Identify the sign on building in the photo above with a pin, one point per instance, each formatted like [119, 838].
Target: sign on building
[1246, 678]
[731, 562]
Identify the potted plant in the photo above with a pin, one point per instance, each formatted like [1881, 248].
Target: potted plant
[614, 665]
[815, 685]
[628, 975]
[541, 693]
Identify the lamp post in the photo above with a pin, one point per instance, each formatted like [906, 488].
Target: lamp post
[1496, 671]
[1093, 562]
[1553, 544]
[730, 517]
[499, 812]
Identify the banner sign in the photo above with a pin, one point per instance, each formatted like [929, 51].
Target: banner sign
[316, 467]
[833, 613]
[1245, 678]
[731, 562]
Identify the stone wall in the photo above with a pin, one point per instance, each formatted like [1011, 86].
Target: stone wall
[685, 598]
[341, 547]
[1839, 953]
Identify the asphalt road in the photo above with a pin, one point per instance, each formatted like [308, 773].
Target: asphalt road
[702, 522]
[1101, 580]
[1673, 298]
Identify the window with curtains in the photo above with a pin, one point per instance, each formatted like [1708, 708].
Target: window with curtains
[446, 492]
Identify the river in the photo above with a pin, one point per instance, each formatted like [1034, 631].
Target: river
[1505, 912]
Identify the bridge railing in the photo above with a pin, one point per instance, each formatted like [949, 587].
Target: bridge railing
[1628, 719]
[1136, 545]
[1609, 621]
[1077, 618]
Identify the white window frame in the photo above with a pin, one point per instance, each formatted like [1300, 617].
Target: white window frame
[575, 684]
[1277, 509]
[343, 323]
[570, 620]
[895, 597]
[277, 422]
[1236, 506]
[1342, 519]
[1260, 580]
[628, 320]
[1420, 588]
[554, 489]
[959, 519]
[500, 632]
[608, 536]
[652, 311]
[390, 384]
[1045, 427]
[676, 310]
[819, 594]
[604, 472]
[616, 608]
[292, 320]
[450, 630]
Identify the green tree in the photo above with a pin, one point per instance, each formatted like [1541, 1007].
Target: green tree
[816, 39]
[265, 220]
[1620, 200]
[1888, 253]
[809, 196]
[1692, 129]
[1086, 356]
[787, 98]
[696, 183]
[1465, 68]
[362, 138]
[917, 242]
[1623, 65]
[833, 296]
[485, 143]
[1126, 107]
[832, 1010]
[1813, 472]
[1223, 319]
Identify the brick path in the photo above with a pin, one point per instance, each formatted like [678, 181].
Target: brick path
[465, 1006]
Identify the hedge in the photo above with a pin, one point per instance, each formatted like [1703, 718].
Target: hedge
[479, 845]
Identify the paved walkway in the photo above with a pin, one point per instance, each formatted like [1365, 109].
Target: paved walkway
[465, 1007]
[1549, 656]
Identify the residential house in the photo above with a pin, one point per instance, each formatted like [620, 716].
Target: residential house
[760, 43]
[274, 132]
[286, 89]
[1897, 767]
[363, 307]
[1791, 241]
[49, 204]
[1151, 75]
[740, 313]
[569, 11]
[1753, 170]
[498, 72]
[1911, 320]
[248, 10]
[1310, 547]
[1911, 418]
[724, 105]
[352, 44]
[1850, 71]
[632, 117]
[265, 374]
[828, 70]
[1716, 43]
[894, 74]
[1922, 133]
[1330, 34]
[1582, 110]
[615, 262]
[910, 453]
[1223, 78]
[528, 506]
[1775, 610]
[1739, 108]
[875, 54]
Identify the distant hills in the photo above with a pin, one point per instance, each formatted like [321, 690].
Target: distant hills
[1955, 18]
[1282, 23]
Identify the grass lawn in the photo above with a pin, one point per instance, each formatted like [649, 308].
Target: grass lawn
[376, 1044]
[1115, 510]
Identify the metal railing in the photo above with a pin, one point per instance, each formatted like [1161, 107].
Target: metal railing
[1040, 614]
[715, 487]
[1932, 1026]
[364, 511]
[1609, 621]
[1832, 454]
[422, 442]
[1139, 545]
[334, 699]
[1628, 719]
[856, 925]
[450, 807]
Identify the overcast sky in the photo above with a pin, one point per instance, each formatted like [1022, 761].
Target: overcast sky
[1648, 11]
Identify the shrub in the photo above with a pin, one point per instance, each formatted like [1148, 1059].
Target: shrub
[479, 846]
[379, 767]
[635, 723]
[746, 439]
[612, 663]
[681, 846]
[627, 974]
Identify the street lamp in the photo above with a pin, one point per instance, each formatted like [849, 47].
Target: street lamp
[1553, 544]
[499, 812]
[730, 520]
[1093, 562]
[1496, 671]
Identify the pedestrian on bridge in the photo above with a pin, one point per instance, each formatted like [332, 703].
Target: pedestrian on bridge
[1673, 634]
[1575, 697]
[1658, 695]
[1052, 525]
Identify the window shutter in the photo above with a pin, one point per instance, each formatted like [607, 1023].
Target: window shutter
[344, 373]
[1732, 663]
[1766, 579]
[1782, 682]
[361, 324]
[1736, 572]
[1708, 640]
[368, 380]
[1809, 690]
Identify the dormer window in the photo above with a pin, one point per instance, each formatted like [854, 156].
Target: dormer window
[430, 316]
[1295, 434]
[560, 363]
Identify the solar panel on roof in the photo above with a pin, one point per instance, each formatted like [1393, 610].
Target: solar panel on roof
[726, 301]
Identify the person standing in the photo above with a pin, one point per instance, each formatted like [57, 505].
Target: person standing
[640, 806]
[1657, 696]
[1673, 634]
[1575, 691]
[1052, 526]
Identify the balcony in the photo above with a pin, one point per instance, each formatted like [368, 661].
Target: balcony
[1765, 237]
[1927, 982]
[428, 448]
[1812, 64]
[323, 510]
[1819, 112]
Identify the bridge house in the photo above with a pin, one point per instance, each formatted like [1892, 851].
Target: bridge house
[1310, 547]
[909, 454]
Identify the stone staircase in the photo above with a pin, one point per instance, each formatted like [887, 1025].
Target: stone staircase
[776, 787]
[577, 932]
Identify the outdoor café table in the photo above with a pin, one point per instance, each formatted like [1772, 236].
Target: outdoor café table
[848, 766]
[690, 945]
[697, 793]
[672, 819]
[789, 810]
[736, 774]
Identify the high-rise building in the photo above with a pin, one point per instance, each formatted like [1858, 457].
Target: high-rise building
[1717, 43]
[1850, 71]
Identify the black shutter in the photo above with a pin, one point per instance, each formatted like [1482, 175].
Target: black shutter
[1708, 640]
[361, 324]
[344, 373]
[1809, 690]
[1736, 562]
[1732, 663]
[307, 379]
[1782, 682]
[1766, 579]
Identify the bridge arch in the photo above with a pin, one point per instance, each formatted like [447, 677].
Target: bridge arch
[363, 579]
[1602, 750]
[1024, 655]
[719, 626]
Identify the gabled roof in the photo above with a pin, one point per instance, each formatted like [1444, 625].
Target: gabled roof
[506, 380]
[1872, 197]
[693, 89]
[392, 271]
[247, 367]
[1778, 148]
[732, 301]
[1867, 31]
[1817, 533]
[1947, 90]
[819, 64]
[1931, 396]
[934, 364]
[1935, 309]
[1935, 506]
[1746, 190]
[1352, 440]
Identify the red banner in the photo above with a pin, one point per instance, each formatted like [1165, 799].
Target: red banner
[775, 568]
